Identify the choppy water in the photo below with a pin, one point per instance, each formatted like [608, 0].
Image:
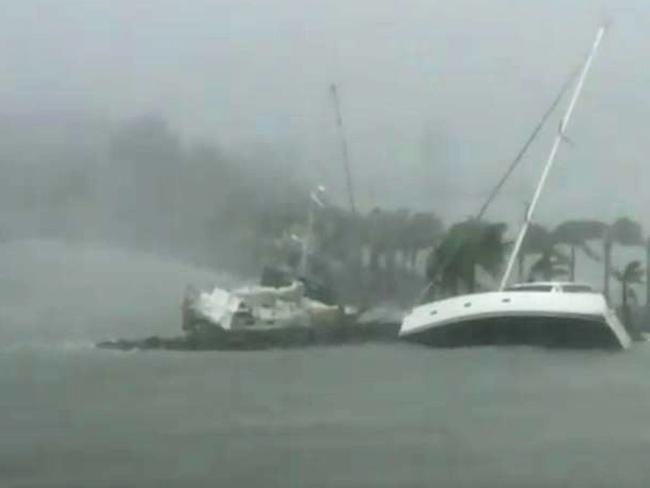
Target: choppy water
[366, 416]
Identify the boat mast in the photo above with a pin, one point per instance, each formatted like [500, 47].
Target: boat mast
[344, 146]
[355, 234]
[315, 199]
[551, 158]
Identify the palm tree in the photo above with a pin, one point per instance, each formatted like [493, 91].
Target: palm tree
[421, 231]
[389, 233]
[395, 229]
[538, 240]
[576, 234]
[625, 232]
[372, 237]
[382, 229]
[631, 274]
[552, 262]
[466, 246]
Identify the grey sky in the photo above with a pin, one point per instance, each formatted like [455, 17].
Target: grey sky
[437, 96]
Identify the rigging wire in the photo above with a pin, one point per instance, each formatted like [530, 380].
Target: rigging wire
[513, 165]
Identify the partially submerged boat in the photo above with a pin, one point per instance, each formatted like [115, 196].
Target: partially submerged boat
[546, 313]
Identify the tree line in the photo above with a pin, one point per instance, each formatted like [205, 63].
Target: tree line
[470, 255]
[139, 184]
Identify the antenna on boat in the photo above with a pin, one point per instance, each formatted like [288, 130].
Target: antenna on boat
[559, 138]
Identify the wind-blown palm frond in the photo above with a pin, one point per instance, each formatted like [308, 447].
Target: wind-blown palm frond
[623, 231]
[537, 240]
[465, 245]
[577, 232]
[626, 232]
[631, 274]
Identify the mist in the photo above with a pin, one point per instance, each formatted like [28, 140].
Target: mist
[137, 185]
[176, 129]
[437, 96]
[58, 294]
[149, 145]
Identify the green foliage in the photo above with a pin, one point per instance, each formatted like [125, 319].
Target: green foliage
[466, 245]
[631, 274]
[388, 232]
[626, 232]
[538, 240]
[552, 262]
[623, 231]
[577, 232]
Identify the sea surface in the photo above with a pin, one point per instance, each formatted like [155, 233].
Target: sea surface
[363, 416]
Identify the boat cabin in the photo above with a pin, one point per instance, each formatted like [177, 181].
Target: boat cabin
[552, 287]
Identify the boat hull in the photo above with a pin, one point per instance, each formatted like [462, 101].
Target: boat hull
[572, 320]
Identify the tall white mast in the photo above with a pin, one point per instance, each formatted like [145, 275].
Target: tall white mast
[551, 158]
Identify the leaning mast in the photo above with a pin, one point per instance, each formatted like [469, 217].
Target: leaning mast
[559, 138]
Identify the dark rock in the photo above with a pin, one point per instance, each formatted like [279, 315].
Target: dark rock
[216, 339]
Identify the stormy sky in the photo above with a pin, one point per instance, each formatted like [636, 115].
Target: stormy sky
[437, 95]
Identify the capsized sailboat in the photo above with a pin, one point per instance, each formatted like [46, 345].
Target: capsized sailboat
[548, 313]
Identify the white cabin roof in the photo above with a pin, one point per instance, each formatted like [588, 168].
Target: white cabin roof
[552, 285]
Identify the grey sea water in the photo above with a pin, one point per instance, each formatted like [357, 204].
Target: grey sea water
[367, 416]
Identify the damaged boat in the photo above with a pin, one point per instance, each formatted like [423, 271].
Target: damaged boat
[263, 317]
[258, 313]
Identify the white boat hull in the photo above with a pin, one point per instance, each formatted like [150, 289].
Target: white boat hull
[260, 308]
[516, 317]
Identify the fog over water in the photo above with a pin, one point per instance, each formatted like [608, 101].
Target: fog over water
[175, 130]
[57, 293]
[75, 416]
[436, 95]
[145, 146]
[402, 416]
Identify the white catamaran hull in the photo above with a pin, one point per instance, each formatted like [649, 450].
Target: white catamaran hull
[517, 317]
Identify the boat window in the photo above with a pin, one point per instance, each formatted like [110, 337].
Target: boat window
[531, 288]
[577, 289]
